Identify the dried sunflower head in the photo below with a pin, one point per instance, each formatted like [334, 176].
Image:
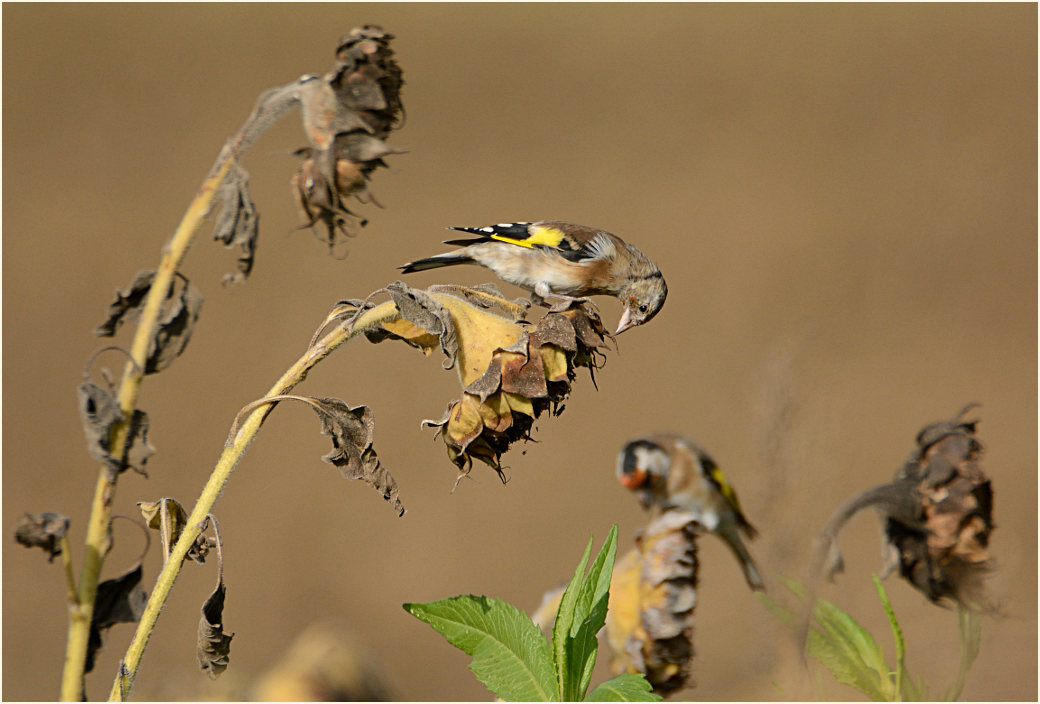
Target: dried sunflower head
[937, 515]
[510, 371]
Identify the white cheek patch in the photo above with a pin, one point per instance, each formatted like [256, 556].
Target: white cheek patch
[654, 462]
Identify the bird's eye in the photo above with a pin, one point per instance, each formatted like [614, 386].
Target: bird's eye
[644, 308]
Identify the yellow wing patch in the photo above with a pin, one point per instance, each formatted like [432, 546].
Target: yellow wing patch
[540, 235]
[725, 488]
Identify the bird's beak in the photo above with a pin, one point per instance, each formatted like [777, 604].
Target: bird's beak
[626, 321]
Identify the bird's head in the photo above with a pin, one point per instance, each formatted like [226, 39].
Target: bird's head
[642, 468]
[668, 470]
[642, 299]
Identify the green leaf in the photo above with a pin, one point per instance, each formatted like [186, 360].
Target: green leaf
[582, 613]
[565, 617]
[628, 687]
[841, 645]
[510, 655]
[849, 651]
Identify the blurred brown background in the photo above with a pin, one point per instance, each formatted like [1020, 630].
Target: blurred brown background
[842, 198]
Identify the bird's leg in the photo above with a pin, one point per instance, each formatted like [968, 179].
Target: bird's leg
[542, 296]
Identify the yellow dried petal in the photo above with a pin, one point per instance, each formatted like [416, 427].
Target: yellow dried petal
[555, 362]
[495, 413]
[464, 421]
[623, 614]
[479, 334]
[413, 334]
[520, 404]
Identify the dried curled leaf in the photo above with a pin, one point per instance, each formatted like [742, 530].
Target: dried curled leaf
[238, 222]
[937, 516]
[169, 518]
[176, 321]
[119, 600]
[652, 598]
[351, 431]
[99, 411]
[42, 530]
[347, 115]
[214, 646]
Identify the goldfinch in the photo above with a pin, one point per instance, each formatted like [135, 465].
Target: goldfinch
[563, 260]
[669, 472]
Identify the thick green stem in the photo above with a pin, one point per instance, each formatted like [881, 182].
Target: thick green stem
[229, 459]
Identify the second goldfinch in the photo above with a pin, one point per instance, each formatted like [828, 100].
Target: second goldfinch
[667, 471]
[553, 258]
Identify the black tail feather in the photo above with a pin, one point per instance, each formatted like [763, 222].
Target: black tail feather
[435, 262]
[467, 242]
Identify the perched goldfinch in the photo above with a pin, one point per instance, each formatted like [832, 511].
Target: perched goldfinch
[667, 471]
[564, 260]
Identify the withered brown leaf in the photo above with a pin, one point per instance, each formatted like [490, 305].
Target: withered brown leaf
[238, 222]
[42, 530]
[128, 303]
[119, 600]
[351, 431]
[99, 411]
[213, 649]
[176, 321]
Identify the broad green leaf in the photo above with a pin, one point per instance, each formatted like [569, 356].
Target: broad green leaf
[624, 688]
[840, 644]
[851, 653]
[510, 655]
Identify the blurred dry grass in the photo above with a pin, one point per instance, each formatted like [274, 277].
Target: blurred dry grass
[844, 202]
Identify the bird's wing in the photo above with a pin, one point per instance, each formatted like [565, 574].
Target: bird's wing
[716, 477]
[575, 243]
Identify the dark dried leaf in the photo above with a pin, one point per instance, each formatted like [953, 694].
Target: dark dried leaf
[175, 327]
[175, 324]
[42, 530]
[351, 431]
[238, 222]
[214, 647]
[119, 600]
[128, 303]
[99, 411]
